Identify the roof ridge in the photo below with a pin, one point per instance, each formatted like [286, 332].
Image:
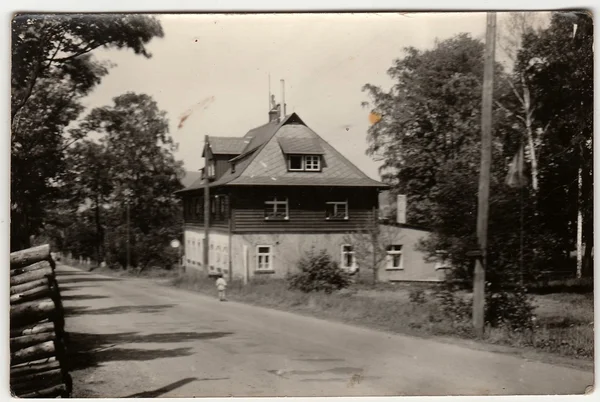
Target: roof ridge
[261, 146]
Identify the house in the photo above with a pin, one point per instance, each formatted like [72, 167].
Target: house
[405, 261]
[274, 194]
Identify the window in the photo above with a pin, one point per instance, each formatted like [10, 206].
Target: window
[312, 163]
[336, 210]
[309, 163]
[211, 169]
[296, 162]
[277, 209]
[394, 257]
[264, 260]
[348, 260]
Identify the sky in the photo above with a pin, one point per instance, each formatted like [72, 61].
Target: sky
[215, 69]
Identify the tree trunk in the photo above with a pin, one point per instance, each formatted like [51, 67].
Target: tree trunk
[29, 295]
[33, 368]
[38, 381]
[529, 128]
[587, 270]
[24, 380]
[31, 329]
[29, 268]
[25, 341]
[31, 276]
[30, 312]
[58, 390]
[36, 352]
[28, 285]
[29, 256]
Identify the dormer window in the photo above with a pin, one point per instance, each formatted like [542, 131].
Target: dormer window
[304, 163]
[312, 163]
[295, 162]
[303, 154]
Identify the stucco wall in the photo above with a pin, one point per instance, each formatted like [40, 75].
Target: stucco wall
[288, 248]
[414, 266]
[218, 257]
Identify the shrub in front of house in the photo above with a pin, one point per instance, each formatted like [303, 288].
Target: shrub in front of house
[318, 273]
[512, 309]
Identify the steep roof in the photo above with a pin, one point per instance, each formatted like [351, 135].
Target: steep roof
[262, 162]
[226, 145]
[190, 177]
[300, 146]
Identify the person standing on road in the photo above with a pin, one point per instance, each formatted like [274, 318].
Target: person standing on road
[221, 286]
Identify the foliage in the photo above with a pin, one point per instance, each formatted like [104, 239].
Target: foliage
[454, 305]
[417, 296]
[318, 273]
[428, 141]
[52, 70]
[511, 309]
[558, 62]
[370, 245]
[128, 175]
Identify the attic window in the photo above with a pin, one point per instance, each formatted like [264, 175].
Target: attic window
[308, 163]
[296, 162]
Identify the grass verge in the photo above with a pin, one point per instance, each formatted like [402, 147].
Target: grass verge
[564, 322]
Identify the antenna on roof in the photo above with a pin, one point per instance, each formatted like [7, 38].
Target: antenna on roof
[283, 97]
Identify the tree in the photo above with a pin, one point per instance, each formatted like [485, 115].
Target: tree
[559, 65]
[140, 170]
[52, 69]
[429, 141]
[89, 181]
[516, 26]
[371, 244]
[428, 119]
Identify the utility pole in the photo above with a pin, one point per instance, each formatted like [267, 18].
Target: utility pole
[484, 176]
[128, 252]
[579, 228]
[206, 206]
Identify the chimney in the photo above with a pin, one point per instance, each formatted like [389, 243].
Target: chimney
[401, 209]
[274, 110]
[273, 115]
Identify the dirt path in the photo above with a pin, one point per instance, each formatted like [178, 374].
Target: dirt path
[132, 337]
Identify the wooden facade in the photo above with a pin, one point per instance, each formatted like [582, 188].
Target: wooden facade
[307, 209]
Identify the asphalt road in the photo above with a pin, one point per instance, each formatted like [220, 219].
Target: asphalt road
[136, 338]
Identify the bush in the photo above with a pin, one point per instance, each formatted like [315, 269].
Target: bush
[417, 296]
[454, 306]
[318, 273]
[512, 309]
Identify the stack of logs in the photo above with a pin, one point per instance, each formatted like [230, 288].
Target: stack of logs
[37, 337]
